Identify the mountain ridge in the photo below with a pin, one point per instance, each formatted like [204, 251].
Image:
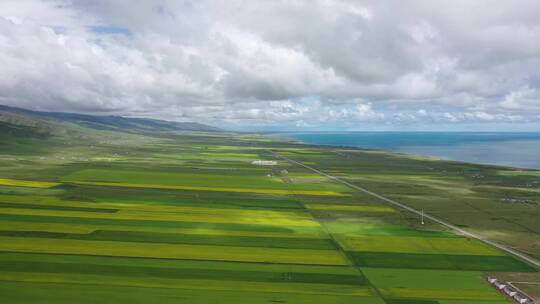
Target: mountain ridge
[14, 115]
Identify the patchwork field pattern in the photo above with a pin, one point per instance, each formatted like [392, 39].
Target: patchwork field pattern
[192, 220]
[408, 263]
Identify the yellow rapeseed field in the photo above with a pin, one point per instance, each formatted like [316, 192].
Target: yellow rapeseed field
[26, 183]
[173, 251]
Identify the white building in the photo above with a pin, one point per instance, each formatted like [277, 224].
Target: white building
[264, 162]
[499, 285]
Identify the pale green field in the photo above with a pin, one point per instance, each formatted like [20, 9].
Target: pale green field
[410, 244]
[352, 208]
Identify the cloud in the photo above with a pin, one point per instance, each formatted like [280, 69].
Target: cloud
[297, 63]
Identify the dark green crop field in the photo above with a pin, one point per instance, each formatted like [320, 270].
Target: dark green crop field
[107, 217]
[439, 261]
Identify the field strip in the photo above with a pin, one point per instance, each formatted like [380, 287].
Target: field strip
[47, 227]
[182, 212]
[183, 239]
[65, 260]
[173, 251]
[12, 201]
[26, 183]
[440, 294]
[87, 228]
[154, 223]
[411, 244]
[55, 207]
[353, 208]
[277, 206]
[215, 189]
[152, 282]
[461, 231]
[200, 218]
[222, 212]
[501, 263]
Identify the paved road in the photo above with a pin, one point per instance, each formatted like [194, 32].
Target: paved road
[518, 254]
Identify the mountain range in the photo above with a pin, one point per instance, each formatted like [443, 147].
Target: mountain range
[18, 121]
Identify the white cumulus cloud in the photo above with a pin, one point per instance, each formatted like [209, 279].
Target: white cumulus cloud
[291, 63]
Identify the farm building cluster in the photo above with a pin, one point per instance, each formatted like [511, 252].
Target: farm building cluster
[264, 162]
[511, 291]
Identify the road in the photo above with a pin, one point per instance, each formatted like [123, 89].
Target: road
[511, 251]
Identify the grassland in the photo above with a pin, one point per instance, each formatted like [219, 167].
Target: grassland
[186, 217]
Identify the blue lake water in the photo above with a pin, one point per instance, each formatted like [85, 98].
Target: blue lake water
[520, 150]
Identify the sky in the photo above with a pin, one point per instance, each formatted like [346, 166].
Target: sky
[452, 65]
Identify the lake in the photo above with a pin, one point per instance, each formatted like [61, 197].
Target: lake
[520, 150]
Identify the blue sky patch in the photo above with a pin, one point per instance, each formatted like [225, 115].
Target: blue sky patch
[110, 30]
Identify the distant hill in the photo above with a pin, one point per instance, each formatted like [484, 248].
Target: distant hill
[14, 119]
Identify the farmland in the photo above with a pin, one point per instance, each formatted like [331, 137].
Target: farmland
[186, 217]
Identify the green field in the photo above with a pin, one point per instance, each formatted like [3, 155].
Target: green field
[202, 182]
[187, 218]
[411, 244]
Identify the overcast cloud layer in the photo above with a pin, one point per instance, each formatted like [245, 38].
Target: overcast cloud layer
[278, 64]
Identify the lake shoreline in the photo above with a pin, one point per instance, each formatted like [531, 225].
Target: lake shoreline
[503, 149]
